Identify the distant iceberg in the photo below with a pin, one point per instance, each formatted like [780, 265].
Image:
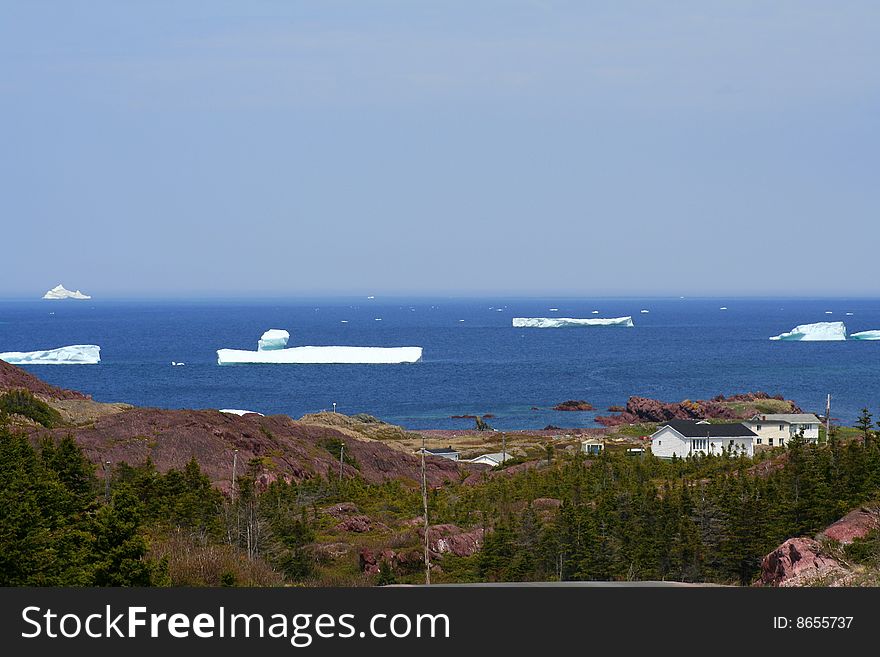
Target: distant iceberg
[865, 335]
[283, 355]
[239, 411]
[569, 322]
[59, 292]
[823, 331]
[273, 339]
[78, 354]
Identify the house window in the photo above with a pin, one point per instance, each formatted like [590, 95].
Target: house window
[758, 441]
[770, 442]
[782, 427]
[758, 427]
[699, 443]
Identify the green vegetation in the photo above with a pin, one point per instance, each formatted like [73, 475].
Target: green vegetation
[571, 517]
[22, 402]
[336, 446]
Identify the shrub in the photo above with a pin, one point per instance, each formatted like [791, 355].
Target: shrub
[22, 402]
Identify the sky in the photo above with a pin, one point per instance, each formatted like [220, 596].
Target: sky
[525, 148]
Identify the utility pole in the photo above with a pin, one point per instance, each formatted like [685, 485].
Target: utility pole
[234, 464]
[341, 451]
[828, 419]
[425, 509]
[503, 447]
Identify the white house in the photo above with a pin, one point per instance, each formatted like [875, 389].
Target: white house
[494, 459]
[690, 437]
[776, 429]
[592, 446]
[445, 452]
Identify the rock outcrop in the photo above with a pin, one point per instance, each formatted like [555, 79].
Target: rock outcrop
[805, 561]
[855, 524]
[12, 377]
[574, 405]
[800, 562]
[644, 409]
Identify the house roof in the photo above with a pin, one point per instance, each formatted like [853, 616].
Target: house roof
[790, 418]
[495, 456]
[592, 441]
[441, 450]
[694, 429]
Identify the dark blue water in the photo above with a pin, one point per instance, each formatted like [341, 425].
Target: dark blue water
[684, 348]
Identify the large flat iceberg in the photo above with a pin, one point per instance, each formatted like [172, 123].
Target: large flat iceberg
[78, 354]
[820, 331]
[865, 335]
[59, 292]
[272, 350]
[568, 322]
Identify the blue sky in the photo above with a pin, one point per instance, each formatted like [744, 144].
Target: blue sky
[528, 148]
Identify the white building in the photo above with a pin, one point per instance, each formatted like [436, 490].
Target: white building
[684, 438]
[592, 446]
[445, 452]
[776, 429]
[494, 459]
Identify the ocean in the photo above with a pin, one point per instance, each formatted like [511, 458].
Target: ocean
[474, 362]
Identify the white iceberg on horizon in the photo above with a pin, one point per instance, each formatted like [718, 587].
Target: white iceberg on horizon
[820, 331]
[321, 356]
[273, 339]
[239, 411]
[283, 355]
[569, 322]
[865, 335]
[78, 354]
[59, 292]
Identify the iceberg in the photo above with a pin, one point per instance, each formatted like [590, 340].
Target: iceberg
[568, 322]
[320, 355]
[865, 335]
[283, 355]
[78, 354]
[239, 411]
[273, 339]
[59, 292]
[815, 332]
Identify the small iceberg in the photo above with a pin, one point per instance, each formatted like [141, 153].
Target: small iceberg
[829, 312]
[849, 314]
[239, 411]
[273, 339]
[78, 354]
[60, 292]
[723, 308]
[319, 355]
[644, 312]
[175, 363]
[820, 331]
[865, 335]
[554, 310]
[569, 322]
[595, 312]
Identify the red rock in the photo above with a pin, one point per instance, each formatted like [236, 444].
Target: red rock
[643, 409]
[574, 405]
[357, 524]
[799, 562]
[855, 524]
[450, 539]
